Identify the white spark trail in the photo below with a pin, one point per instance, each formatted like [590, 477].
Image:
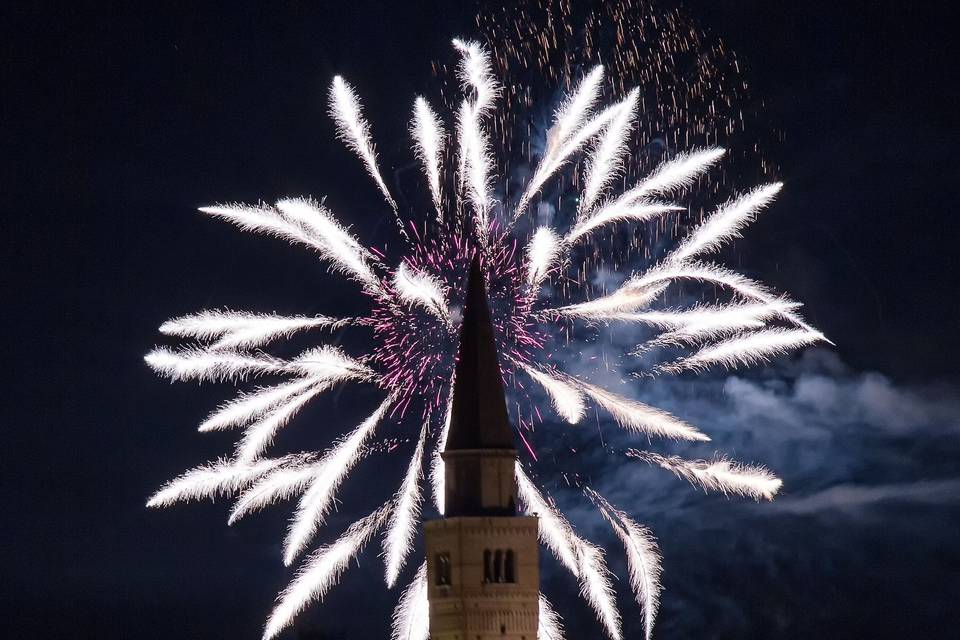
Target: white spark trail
[428, 137]
[278, 484]
[222, 477]
[411, 617]
[606, 161]
[675, 175]
[568, 119]
[551, 624]
[258, 436]
[303, 222]
[406, 512]
[583, 559]
[565, 398]
[330, 364]
[193, 363]
[708, 322]
[596, 586]
[552, 161]
[354, 130]
[718, 475]
[336, 243]
[554, 530]
[746, 349]
[250, 406]
[715, 274]
[575, 108]
[475, 71]
[642, 418]
[437, 469]
[613, 212]
[421, 289]
[321, 571]
[331, 470]
[243, 330]
[699, 317]
[726, 223]
[643, 558]
[542, 252]
[628, 298]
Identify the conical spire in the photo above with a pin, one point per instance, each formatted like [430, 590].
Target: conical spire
[478, 417]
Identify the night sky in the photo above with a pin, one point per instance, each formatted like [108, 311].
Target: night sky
[118, 121]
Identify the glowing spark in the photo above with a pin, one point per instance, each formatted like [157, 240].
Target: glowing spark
[566, 398]
[726, 223]
[542, 252]
[551, 624]
[330, 473]
[428, 135]
[411, 618]
[746, 349]
[718, 475]
[321, 571]
[220, 478]
[403, 522]
[640, 417]
[643, 558]
[421, 289]
[354, 130]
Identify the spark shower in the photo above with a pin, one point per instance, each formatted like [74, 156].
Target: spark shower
[543, 234]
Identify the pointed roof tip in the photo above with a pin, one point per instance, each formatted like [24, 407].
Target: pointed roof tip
[478, 416]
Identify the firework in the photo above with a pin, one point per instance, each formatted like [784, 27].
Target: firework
[541, 298]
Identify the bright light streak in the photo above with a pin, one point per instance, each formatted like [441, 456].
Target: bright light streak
[354, 130]
[718, 475]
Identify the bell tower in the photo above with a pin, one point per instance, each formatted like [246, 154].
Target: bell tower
[483, 567]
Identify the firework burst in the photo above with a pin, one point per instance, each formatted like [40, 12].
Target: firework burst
[538, 281]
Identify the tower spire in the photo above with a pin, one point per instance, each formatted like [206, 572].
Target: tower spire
[478, 418]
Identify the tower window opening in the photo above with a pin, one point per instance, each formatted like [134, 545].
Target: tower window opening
[510, 573]
[441, 569]
[487, 566]
[498, 566]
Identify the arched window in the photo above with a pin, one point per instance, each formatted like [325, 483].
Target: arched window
[441, 569]
[498, 566]
[510, 573]
[487, 566]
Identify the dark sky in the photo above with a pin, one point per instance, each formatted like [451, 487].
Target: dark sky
[118, 121]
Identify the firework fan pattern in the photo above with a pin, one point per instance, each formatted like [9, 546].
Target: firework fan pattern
[535, 272]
